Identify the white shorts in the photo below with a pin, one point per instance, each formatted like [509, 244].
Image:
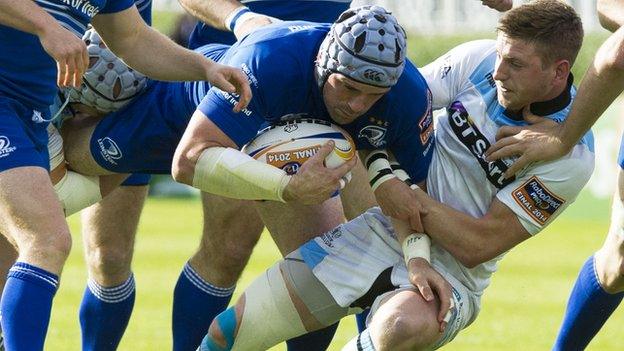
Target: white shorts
[350, 258]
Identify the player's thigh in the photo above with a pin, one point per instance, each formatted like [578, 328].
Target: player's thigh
[77, 133]
[291, 225]
[231, 227]
[31, 215]
[357, 196]
[112, 223]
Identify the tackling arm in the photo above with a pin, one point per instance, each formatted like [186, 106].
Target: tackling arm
[611, 14]
[211, 12]
[156, 56]
[472, 240]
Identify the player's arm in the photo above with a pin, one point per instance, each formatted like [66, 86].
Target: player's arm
[472, 240]
[156, 56]
[69, 52]
[611, 14]
[209, 160]
[392, 193]
[226, 15]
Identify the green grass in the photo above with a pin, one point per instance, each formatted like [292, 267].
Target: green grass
[521, 310]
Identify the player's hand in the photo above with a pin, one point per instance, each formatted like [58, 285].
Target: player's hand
[69, 52]
[539, 141]
[498, 5]
[232, 80]
[314, 182]
[397, 200]
[253, 23]
[431, 283]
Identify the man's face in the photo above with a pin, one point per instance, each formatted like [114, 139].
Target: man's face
[347, 99]
[520, 76]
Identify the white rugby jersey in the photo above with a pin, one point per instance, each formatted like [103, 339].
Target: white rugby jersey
[459, 176]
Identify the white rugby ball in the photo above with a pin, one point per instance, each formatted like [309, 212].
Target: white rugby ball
[289, 144]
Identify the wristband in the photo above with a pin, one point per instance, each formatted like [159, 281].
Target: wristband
[234, 16]
[379, 169]
[416, 245]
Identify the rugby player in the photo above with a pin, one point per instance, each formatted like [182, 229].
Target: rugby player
[599, 287]
[165, 120]
[109, 227]
[473, 213]
[42, 40]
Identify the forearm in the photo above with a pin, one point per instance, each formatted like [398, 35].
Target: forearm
[25, 15]
[211, 12]
[611, 14]
[469, 239]
[156, 56]
[602, 83]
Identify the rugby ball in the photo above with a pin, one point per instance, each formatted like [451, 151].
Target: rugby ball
[288, 145]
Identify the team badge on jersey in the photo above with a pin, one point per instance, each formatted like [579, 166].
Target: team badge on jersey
[109, 150]
[375, 133]
[536, 200]
[5, 146]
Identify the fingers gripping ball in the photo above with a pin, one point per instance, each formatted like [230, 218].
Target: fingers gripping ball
[289, 144]
[108, 83]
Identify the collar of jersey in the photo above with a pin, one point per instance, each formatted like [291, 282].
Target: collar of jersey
[546, 108]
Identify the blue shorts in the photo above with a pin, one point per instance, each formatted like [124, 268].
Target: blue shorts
[137, 179]
[142, 136]
[22, 141]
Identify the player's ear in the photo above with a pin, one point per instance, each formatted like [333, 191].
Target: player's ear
[562, 70]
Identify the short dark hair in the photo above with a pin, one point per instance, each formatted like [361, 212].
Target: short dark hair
[552, 26]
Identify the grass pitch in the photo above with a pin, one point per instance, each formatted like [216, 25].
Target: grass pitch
[521, 310]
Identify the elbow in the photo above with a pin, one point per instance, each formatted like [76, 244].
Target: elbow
[610, 56]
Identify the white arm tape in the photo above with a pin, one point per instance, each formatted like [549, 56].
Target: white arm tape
[231, 173]
[379, 169]
[417, 245]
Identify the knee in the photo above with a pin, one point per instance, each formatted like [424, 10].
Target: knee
[402, 331]
[53, 247]
[109, 264]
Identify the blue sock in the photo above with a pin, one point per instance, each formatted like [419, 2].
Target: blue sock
[588, 309]
[195, 303]
[360, 320]
[104, 314]
[26, 305]
[316, 340]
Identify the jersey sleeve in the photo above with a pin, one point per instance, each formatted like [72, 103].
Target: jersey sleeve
[450, 73]
[542, 192]
[113, 6]
[265, 71]
[413, 144]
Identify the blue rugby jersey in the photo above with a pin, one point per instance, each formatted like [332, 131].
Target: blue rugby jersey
[279, 63]
[324, 11]
[27, 72]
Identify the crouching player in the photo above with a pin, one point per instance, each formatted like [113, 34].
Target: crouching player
[473, 214]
